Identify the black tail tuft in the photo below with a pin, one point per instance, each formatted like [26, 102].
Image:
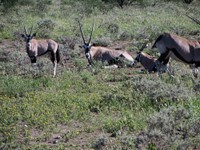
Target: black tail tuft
[158, 39]
[58, 55]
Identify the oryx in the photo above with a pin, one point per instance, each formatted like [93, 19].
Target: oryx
[36, 48]
[103, 53]
[147, 61]
[179, 48]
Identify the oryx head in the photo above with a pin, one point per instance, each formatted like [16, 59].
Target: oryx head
[27, 37]
[86, 46]
[138, 56]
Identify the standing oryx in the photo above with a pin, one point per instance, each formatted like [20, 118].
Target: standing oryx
[102, 53]
[36, 48]
[178, 48]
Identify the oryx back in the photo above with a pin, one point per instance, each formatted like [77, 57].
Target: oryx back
[106, 54]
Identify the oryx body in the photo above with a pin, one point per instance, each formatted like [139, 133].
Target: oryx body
[35, 48]
[103, 53]
[109, 55]
[179, 48]
[147, 61]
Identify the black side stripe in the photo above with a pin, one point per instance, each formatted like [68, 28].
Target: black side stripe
[178, 55]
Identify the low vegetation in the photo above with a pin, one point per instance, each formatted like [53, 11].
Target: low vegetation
[97, 108]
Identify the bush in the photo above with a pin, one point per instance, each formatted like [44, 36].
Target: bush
[45, 27]
[170, 128]
[104, 41]
[8, 3]
[159, 93]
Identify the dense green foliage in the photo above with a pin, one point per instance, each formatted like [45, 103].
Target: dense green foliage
[100, 108]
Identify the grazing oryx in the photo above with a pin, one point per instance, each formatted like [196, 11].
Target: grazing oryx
[173, 46]
[147, 61]
[103, 53]
[36, 48]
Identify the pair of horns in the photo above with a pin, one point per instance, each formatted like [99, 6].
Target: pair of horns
[26, 30]
[194, 19]
[83, 34]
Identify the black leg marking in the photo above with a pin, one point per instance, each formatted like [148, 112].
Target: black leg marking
[33, 59]
[166, 61]
[163, 56]
[52, 57]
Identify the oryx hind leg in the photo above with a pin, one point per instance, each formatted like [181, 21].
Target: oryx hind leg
[195, 70]
[54, 61]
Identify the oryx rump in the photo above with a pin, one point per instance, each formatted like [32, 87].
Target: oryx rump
[35, 48]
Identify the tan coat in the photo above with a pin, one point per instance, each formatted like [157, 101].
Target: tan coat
[106, 54]
[181, 49]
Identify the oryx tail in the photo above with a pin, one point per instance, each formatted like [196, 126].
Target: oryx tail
[58, 55]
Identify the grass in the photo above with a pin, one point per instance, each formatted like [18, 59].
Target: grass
[100, 108]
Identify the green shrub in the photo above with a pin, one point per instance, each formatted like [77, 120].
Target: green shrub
[170, 128]
[45, 27]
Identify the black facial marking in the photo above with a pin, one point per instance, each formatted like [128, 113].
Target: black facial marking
[86, 48]
[138, 57]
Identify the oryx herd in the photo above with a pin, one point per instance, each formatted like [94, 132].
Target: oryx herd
[168, 45]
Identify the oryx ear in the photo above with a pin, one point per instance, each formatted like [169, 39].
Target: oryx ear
[80, 46]
[22, 35]
[34, 34]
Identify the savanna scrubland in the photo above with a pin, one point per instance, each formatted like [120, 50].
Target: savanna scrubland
[123, 108]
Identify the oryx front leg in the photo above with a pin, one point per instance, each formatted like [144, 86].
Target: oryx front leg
[54, 66]
[35, 68]
[195, 70]
[160, 61]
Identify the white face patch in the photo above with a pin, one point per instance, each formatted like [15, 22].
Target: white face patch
[29, 45]
[87, 55]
